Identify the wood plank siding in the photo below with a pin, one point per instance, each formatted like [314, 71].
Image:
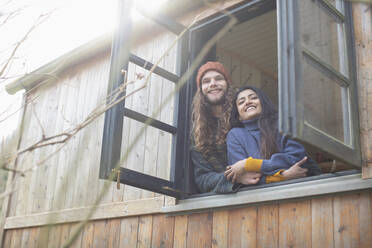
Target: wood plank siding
[62, 190]
[70, 178]
[332, 221]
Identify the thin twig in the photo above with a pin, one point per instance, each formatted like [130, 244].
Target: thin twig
[39, 21]
[17, 110]
[38, 120]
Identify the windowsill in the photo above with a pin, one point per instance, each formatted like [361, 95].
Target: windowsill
[266, 194]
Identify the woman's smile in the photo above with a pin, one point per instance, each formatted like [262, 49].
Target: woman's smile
[248, 104]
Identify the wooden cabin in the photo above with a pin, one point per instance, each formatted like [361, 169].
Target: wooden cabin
[313, 58]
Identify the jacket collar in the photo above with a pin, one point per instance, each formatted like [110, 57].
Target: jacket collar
[251, 125]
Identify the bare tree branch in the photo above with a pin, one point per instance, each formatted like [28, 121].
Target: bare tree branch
[10, 16]
[40, 20]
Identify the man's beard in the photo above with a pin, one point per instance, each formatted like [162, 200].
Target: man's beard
[218, 101]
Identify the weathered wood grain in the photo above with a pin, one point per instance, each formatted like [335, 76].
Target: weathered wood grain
[54, 236]
[43, 236]
[365, 220]
[114, 234]
[33, 240]
[322, 222]
[152, 134]
[144, 231]
[268, 226]
[162, 231]
[166, 113]
[103, 211]
[136, 158]
[362, 19]
[242, 227]
[295, 224]
[199, 230]
[73, 157]
[88, 235]
[98, 125]
[84, 153]
[129, 232]
[47, 176]
[8, 238]
[33, 195]
[25, 238]
[73, 229]
[101, 231]
[220, 229]
[180, 231]
[346, 220]
[65, 234]
[127, 124]
[53, 176]
[65, 158]
[16, 238]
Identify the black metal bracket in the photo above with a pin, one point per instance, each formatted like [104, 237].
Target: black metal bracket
[151, 183]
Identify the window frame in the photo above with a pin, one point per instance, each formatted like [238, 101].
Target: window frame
[113, 124]
[181, 183]
[291, 105]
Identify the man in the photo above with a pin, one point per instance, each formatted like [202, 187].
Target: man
[211, 109]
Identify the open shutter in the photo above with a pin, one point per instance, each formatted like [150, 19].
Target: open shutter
[111, 145]
[317, 93]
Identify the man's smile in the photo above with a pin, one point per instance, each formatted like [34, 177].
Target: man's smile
[214, 91]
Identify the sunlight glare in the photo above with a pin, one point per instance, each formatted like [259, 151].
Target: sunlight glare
[149, 6]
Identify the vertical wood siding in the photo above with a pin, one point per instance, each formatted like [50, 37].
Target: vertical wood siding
[333, 221]
[70, 178]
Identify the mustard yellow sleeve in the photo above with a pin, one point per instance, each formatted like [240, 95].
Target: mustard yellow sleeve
[253, 164]
[277, 177]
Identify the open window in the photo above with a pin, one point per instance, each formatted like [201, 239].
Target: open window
[298, 52]
[118, 118]
[317, 100]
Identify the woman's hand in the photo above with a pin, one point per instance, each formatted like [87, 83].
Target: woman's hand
[234, 171]
[295, 171]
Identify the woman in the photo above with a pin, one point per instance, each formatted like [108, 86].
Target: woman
[254, 134]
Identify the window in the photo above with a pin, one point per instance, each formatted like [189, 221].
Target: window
[298, 52]
[318, 101]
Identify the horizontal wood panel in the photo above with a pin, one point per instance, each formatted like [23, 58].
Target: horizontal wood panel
[332, 221]
[105, 211]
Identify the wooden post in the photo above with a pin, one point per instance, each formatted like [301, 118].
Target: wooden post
[362, 18]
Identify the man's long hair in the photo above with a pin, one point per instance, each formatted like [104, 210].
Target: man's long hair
[207, 130]
[267, 121]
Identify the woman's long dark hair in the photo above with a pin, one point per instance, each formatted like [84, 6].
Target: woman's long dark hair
[267, 121]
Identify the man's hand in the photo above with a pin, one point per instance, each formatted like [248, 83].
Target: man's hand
[234, 171]
[295, 171]
[249, 177]
[237, 174]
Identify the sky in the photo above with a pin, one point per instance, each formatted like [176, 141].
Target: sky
[70, 24]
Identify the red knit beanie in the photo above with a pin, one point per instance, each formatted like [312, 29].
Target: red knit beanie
[215, 66]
